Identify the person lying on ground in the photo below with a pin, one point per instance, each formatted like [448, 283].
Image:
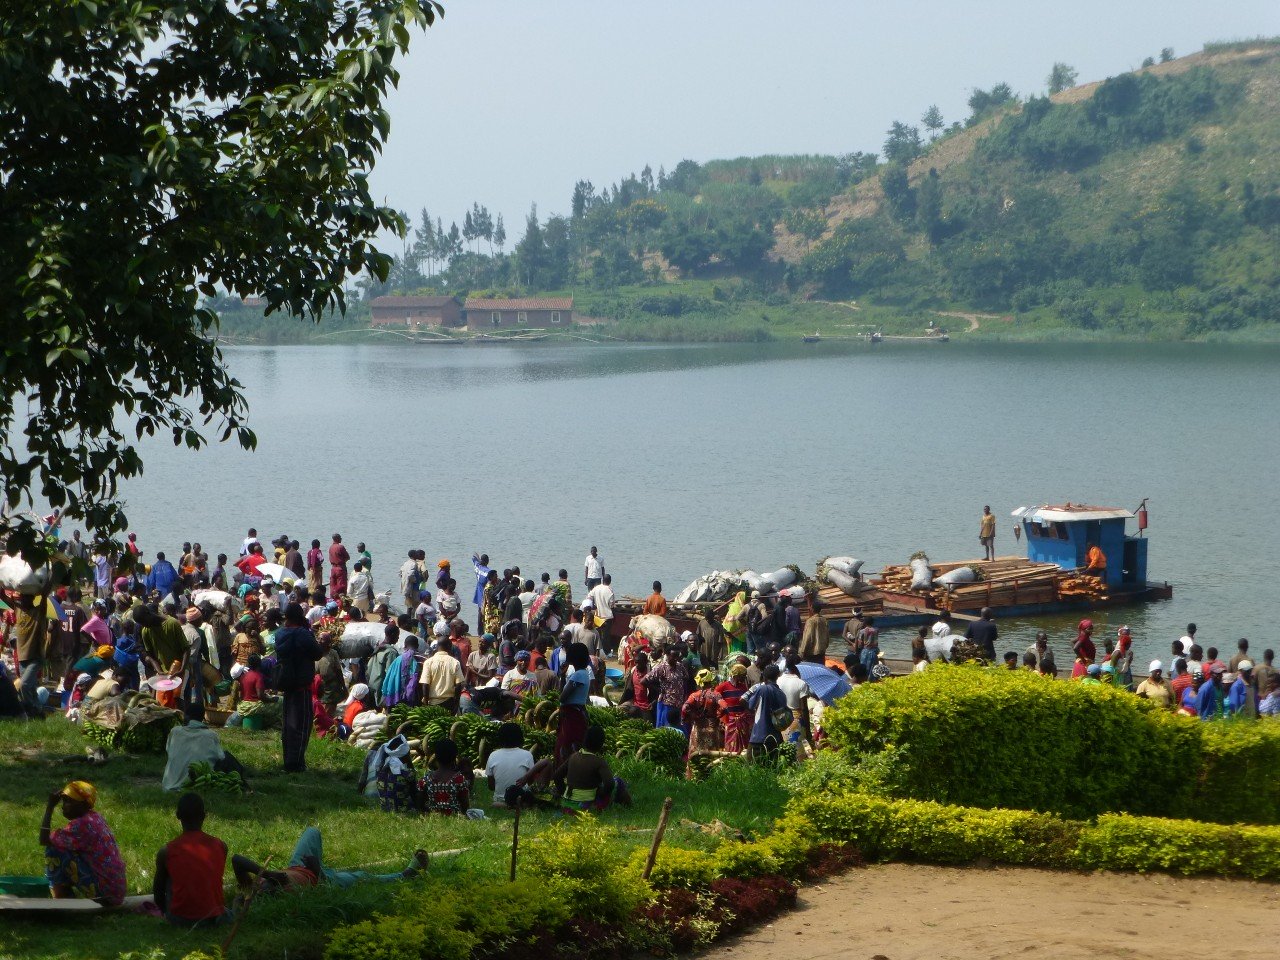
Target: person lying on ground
[306, 868]
[586, 781]
[188, 880]
[83, 859]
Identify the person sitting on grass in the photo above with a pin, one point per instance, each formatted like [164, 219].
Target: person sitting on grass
[195, 743]
[446, 789]
[306, 869]
[586, 781]
[82, 859]
[510, 767]
[188, 881]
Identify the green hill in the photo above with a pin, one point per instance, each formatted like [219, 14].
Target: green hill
[1143, 206]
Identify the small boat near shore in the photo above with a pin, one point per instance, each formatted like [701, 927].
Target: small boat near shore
[814, 337]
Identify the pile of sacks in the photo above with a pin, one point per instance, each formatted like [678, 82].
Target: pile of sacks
[723, 584]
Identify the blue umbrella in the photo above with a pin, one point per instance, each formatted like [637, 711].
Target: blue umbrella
[827, 685]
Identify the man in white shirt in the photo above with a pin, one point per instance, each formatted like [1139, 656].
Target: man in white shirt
[361, 588]
[508, 763]
[601, 599]
[249, 541]
[593, 569]
[943, 626]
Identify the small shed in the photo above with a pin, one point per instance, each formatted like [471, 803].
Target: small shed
[415, 312]
[1062, 535]
[515, 313]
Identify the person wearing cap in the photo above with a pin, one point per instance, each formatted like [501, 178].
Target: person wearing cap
[82, 859]
[1156, 688]
[1092, 674]
[79, 693]
[1084, 648]
[1242, 700]
[1187, 698]
[1209, 695]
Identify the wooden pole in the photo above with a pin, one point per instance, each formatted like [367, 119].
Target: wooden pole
[657, 837]
[515, 841]
[244, 910]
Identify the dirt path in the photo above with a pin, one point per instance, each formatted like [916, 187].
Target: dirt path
[903, 912]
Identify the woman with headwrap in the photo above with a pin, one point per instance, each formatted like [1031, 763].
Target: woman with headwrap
[82, 859]
[1084, 649]
[700, 714]
[1122, 659]
[735, 718]
[735, 623]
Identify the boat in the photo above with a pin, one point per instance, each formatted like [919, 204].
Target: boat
[516, 338]
[1048, 579]
[1051, 577]
[815, 337]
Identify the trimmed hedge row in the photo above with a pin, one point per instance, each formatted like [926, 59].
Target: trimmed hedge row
[1014, 739]
[887, 829]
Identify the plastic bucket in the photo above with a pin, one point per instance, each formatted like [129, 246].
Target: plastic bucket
[24, 886]
[251, 723]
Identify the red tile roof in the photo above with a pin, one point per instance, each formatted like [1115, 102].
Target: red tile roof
[530, 303]
[411, 301]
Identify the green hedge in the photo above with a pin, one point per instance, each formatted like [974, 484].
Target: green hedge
[1000, 738]
[887, 829]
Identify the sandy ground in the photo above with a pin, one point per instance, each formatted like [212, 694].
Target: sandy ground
[902, 912]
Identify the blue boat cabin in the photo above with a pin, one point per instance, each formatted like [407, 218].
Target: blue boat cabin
[1062, 535]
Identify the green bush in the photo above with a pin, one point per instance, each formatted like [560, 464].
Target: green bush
[676, 867]
[1239, 779]
[887, 829]
[585, 855]
[1000, 738]
[1121, 842]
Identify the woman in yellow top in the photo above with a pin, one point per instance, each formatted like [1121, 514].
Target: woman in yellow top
[735, 622]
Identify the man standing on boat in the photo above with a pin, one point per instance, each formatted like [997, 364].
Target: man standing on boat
[987, 533]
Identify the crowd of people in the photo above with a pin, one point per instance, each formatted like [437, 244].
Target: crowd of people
[281, 639]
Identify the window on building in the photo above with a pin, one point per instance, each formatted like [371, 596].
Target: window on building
[522, 317]
[555, 316]
[495, 317]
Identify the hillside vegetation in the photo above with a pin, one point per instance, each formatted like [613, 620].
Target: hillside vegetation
[1145, 205]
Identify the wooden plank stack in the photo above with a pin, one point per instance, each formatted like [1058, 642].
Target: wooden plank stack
[1005, 582]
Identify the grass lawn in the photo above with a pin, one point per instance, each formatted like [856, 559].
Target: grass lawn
[36, 759]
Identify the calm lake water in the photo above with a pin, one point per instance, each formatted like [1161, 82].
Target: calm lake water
[679, 460]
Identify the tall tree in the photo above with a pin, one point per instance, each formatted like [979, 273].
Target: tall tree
[933, 121]
[499, 234]
[583, 194]
[468, 228]
[1166, 54]
[903, 143]
[424, 241]
[150, 153]
[531, 251]
[1061, 77]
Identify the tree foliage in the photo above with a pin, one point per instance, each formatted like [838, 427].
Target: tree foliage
[1061, 77]
[152, 151]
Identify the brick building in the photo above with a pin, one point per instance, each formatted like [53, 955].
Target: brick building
[415, 312]
[487, 315]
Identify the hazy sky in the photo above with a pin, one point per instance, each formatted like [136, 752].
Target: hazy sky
[510, 101]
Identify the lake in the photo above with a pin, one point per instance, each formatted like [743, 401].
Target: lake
[676, 460]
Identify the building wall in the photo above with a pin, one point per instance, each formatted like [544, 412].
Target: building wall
[449, 315]
[482, 321]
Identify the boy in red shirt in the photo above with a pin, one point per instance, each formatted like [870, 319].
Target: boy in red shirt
[189, 868]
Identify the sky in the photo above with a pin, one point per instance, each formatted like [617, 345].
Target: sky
[508, 102]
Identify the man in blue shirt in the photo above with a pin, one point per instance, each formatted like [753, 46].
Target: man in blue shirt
[763, 699]
[162, 576]
[1209, 696]
[1240, 698]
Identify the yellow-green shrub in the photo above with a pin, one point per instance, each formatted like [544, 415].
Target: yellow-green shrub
[586, 855]
[888, 829]
[676, 867]
[1121, 842]
[1014, 739]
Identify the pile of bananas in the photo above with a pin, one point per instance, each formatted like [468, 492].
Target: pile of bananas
[665, 748]
[107, 739]
[201, 776]
[539, 712]
[147, 737]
